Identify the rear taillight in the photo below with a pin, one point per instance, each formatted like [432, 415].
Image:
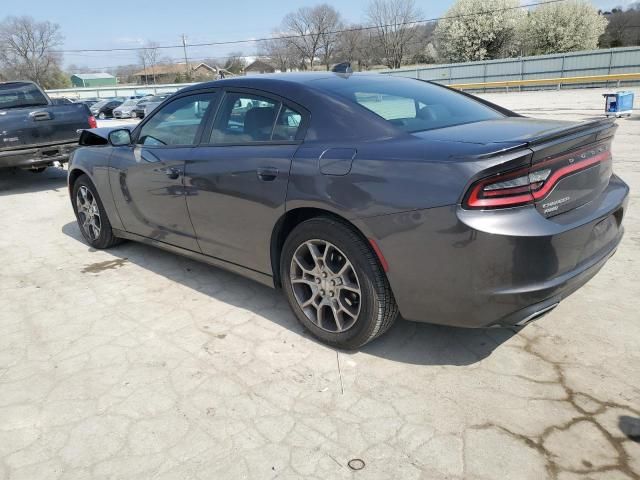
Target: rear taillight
[92, 122]
[526, 185]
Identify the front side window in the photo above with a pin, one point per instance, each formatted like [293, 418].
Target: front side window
[177, 123]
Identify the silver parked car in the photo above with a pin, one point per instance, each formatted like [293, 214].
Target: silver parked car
[127, 109]
[154, 101]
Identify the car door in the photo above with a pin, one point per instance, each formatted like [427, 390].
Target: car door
[147, 178]
[237, 178]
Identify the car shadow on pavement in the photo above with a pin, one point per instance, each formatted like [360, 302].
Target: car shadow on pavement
[407, 342]
[17, 181]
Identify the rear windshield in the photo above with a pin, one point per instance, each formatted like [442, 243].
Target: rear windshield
[410, 105]
[21, 94]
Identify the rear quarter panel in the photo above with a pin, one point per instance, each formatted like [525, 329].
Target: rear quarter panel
[390, 176]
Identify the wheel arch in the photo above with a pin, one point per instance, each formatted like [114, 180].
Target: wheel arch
[292, 218]
[74, 174]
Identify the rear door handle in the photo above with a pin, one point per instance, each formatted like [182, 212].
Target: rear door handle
[267, 174]
[172, 173]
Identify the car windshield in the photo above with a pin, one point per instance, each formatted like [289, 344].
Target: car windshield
[21, 94]
[130, 103]
[101, 103]
[157, 98]
[408, 104]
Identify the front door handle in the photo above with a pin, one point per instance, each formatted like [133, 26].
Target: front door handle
[172, 173]
[267, 174]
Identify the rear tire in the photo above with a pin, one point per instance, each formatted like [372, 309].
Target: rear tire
[91, 215]
[102, 115]
[334, 283]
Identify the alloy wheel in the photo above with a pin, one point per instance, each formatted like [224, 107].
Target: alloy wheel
[325, 285]
[88, 213]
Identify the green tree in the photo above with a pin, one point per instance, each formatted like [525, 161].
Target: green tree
[480, 29]
[564, 27]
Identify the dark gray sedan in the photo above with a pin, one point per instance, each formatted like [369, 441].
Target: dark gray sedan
[364, 197]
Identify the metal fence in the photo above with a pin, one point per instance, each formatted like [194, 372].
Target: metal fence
[115, 91]
[563, 65]
[571, 64]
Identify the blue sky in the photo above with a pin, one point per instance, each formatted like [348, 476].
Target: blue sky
[118, 23]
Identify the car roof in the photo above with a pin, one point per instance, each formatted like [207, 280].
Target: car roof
[298, 78]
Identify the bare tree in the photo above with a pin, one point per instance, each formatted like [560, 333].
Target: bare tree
[235, 62]
[623, 28]
[354, 46]
[280, 52]
[27, 50]
[328, 22]
[312, 32]
[148, 56]
[394, 27]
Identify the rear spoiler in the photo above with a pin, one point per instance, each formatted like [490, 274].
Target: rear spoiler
[560, 139]
[575, 136]
[603, 128]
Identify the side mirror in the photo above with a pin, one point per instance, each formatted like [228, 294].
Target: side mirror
[120, 137]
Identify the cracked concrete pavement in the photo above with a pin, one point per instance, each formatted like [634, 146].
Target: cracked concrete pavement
[134, 363]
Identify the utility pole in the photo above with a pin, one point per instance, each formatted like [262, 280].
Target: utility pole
[186, 60]
[144, 67]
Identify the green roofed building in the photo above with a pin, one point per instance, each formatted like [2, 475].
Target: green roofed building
[93, 80]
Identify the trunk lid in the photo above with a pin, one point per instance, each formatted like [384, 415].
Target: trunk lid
[579, 159]
[570, 163]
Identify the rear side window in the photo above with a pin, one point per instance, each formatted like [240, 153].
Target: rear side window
[20, 94]
[245, 118]
[410, 105]
[287, 125]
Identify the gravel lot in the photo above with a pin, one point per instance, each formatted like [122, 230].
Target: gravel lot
[135, 363]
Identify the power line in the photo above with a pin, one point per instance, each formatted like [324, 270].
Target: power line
[288, 37]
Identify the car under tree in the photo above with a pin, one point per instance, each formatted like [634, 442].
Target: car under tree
[364, 197]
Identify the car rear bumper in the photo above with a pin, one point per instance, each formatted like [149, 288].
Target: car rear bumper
[490, 268]
[37, 156]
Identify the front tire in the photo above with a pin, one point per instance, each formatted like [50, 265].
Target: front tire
[335, 284]
[91, 215]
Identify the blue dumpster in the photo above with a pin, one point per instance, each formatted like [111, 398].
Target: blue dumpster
[618, 104]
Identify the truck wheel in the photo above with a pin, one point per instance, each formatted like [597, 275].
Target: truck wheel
[91, 216]
[335, 284]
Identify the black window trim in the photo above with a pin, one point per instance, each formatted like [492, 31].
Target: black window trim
[170, 99]
[300, 134]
